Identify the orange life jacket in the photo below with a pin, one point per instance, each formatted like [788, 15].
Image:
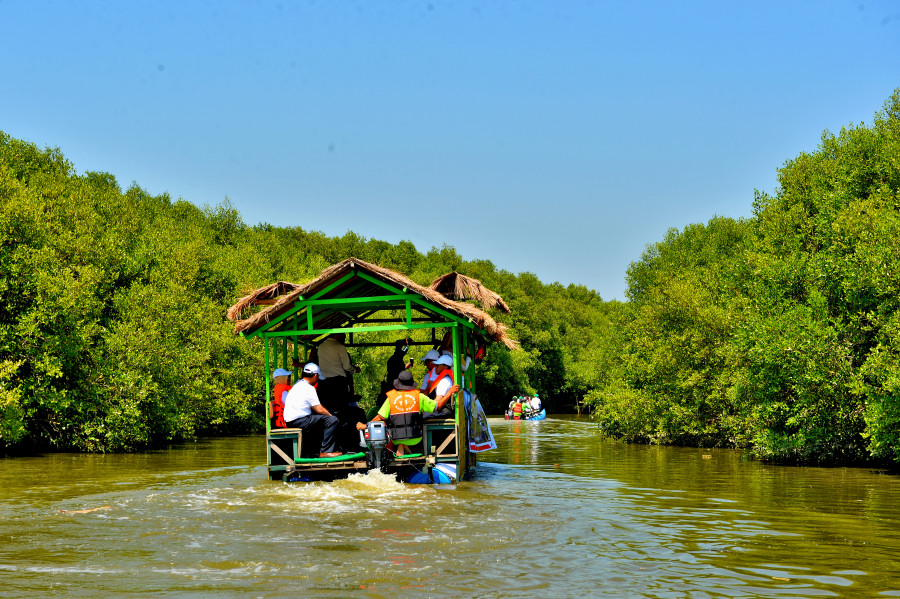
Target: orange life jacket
[447, 372]
[402, 402]
[277, 406]
[405, 421]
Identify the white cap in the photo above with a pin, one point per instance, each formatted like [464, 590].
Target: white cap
[445, 360]
[311, 369]
[431, 355]
[281, 372]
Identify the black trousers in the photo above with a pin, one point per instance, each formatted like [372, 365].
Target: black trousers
[327, 425]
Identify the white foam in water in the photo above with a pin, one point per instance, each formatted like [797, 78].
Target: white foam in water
[350, 493]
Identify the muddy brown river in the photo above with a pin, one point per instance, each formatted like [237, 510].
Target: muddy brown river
[553, 512]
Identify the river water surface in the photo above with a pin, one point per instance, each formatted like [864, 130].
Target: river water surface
[553, 512]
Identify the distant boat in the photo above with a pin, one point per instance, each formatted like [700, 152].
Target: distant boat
[526, 415]
[539, 416]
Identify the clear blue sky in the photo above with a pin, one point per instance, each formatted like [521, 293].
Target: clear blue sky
[555, 137]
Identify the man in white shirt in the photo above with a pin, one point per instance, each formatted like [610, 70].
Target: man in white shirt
[303, 410]
[333, 357]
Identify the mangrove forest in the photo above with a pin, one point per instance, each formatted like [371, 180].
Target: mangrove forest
[778, 333]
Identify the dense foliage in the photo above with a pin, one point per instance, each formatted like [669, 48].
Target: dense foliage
[781, 332]
[112, 321]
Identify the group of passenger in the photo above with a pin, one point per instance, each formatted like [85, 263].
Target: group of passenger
[407, 407]
[523, 407]
[323, 401]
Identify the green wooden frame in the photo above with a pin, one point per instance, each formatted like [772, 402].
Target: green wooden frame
[345, 301]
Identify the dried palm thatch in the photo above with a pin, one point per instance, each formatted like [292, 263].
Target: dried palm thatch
[264, 296]
[495, 330]
[460, 287]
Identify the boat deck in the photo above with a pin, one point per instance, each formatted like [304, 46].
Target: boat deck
[286, 463]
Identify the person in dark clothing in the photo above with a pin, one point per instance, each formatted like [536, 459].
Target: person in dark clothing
[348, 418]
[396, 364]
[337, 368]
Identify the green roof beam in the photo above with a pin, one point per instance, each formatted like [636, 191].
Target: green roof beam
[386, 327]
[262, 330]
[361, 301]
[337, 283]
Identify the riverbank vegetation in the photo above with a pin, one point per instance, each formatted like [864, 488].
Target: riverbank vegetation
[779, 333]
[113, 333]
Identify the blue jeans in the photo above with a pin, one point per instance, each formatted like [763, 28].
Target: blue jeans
[327, 424]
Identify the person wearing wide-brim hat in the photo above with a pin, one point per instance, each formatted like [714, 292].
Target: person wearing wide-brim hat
[403, 409]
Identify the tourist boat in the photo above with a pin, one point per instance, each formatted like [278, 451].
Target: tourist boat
[525, 411]
[364, 300]
[530, 416]
[539, 416]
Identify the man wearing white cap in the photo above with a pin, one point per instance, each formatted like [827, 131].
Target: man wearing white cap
[303, 410]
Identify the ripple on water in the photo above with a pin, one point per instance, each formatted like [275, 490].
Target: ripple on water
[554, 512]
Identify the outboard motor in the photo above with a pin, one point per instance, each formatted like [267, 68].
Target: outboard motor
[374, 438]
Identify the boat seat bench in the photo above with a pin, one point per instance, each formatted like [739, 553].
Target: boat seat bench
[284, 447]
[347, 457]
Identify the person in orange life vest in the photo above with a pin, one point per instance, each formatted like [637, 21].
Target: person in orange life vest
[517, 409]
[429, 359]
[303, 410]
[526, 406]
[441, 380]
[282, 379]
[403, 408]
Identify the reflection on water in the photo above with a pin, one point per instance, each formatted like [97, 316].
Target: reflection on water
[553, 512]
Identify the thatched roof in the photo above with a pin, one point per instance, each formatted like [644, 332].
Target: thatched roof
[290, 293]
[460, 287]
[264, 296]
